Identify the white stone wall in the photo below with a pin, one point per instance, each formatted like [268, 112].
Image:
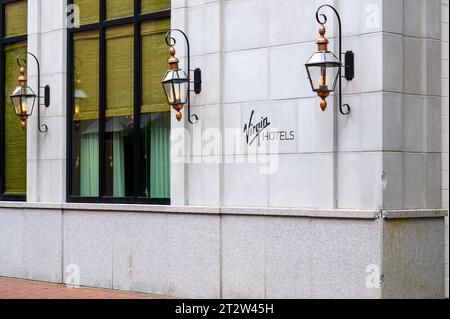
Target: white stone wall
[46, 152]
[445, 125]
[252, 54]
[386, 154]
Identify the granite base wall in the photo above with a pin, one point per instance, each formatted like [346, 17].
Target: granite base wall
[217, 255]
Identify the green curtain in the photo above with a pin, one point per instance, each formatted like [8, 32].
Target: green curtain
[89, 165]
[118, 165]
[160, 155]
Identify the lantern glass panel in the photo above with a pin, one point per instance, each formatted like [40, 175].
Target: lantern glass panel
[176, 86]
[323, 77]
[23, 99]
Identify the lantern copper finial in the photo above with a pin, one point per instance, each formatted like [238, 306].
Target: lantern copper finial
[22, 77]
[173, 60]
[323, 95]
[322, 41]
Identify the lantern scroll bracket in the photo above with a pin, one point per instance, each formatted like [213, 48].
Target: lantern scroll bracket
[22, 62]
[197, 80]
[349, 60]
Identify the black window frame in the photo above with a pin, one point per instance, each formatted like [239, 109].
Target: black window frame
[4, 41]
[101, 26]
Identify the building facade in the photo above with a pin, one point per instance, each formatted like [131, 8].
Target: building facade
[263, 195]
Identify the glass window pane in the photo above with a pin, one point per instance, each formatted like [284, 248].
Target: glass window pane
[16, 22]
[154, 5]
[119, 8]
[155, 119]
[89, 11]
[15, 136]
[85, 106]
[119, 111]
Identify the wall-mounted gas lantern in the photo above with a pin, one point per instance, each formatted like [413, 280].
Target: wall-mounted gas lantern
[176, 82]
[324, 68]
[23, 98]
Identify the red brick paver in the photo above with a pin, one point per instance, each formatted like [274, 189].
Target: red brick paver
[25, 289]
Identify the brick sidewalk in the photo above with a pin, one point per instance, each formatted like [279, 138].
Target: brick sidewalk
[25, 289]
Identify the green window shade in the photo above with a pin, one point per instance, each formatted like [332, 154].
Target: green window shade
[89, 10]
[15, 136]
[154, 5]
[119, 8]
[16, 18]
[120, 71]
[154, 65]
[85, 132]
[86, 72]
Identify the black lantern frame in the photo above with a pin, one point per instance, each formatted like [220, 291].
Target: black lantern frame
[20, 93]
[349, 61]
[197, 81]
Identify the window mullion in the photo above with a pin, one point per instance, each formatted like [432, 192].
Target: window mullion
[2, 94]
[102, 98]
[137, 96]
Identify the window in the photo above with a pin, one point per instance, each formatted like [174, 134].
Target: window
[118, 119]
[13, 139]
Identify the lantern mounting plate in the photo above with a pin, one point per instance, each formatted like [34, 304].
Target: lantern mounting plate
[349, 65]
[197, 81]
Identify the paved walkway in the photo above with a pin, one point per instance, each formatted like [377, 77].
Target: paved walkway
[25, 289]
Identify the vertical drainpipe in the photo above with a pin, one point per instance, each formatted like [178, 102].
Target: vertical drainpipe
[335, 138]
[222, 130]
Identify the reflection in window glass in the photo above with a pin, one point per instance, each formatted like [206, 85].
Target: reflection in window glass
[155, 113]
[119, 111]
[16, 22]
[148, 6]
[119, 8]
[85, 131]
[130, 155]
[89, 11]
[15, 136]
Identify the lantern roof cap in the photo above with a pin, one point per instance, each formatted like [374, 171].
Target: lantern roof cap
[324, 57]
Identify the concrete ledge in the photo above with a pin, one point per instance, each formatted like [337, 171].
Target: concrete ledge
[200, 210]
[27, 205]
[237, 211]
[414, 213]
[301, 212]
